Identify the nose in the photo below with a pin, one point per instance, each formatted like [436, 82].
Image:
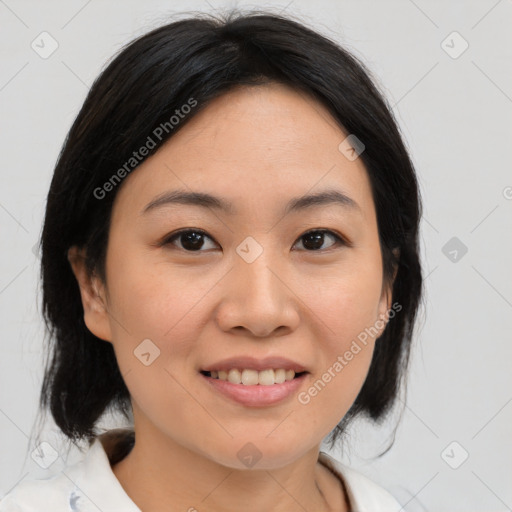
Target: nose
[257, 299]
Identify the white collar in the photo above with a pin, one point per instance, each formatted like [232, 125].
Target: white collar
[364, 495]
[94, 478]
[91, 485]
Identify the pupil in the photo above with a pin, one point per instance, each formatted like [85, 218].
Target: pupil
[313, 240]
[193, 239]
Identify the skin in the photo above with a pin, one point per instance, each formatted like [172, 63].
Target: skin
[257, 147]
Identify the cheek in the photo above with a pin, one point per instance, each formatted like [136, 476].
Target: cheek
[156, 303]
[347, 306]
[158, 313]
[346, 347]
[347, 301]
[153, 298]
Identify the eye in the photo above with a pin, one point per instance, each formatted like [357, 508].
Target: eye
[313, 240]
[191, 240]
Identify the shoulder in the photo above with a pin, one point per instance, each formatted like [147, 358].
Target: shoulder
[364, 494]
[88, 485]
[56, 493]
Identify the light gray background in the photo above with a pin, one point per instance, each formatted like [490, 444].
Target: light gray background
[455, 114]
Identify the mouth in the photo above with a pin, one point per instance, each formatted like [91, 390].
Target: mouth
[249, 377]
[252, 388]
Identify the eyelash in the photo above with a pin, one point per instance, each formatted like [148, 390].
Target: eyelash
[339, 240]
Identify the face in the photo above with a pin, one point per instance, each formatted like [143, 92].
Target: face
[189, 286]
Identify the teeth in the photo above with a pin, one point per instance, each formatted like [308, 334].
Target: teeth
[234, 376]
[253, 377]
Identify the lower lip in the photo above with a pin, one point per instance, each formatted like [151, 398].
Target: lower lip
[257, 395]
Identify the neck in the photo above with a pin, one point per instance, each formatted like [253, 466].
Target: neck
[158, 473]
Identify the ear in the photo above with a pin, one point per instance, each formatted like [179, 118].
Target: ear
[386, 297]
[93, 295]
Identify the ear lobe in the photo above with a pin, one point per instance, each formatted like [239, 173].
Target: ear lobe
[385, 303]
[92, 294]
[384, 307]
[386, 298]
[387, 292]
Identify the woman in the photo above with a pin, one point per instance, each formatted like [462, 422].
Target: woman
[230, 259]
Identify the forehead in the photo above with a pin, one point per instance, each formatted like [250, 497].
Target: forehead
[263, 144]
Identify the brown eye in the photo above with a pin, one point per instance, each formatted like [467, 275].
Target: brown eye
[314, 240]
[191, 240]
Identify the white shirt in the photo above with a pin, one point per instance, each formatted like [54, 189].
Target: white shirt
[90, 485]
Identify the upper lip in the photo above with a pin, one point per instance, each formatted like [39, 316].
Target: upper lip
[252, 363]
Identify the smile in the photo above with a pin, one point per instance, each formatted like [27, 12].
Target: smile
[249, 377]
[254, 394]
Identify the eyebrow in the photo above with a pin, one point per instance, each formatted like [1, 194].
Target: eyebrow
[205, 200]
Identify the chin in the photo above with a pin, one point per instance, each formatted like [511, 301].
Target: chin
[257, 453]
